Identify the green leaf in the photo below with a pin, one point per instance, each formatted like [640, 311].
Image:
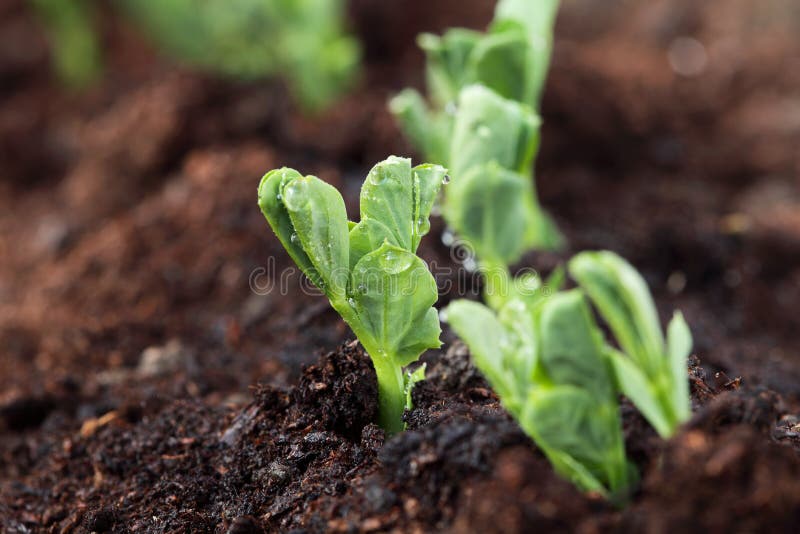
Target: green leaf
[538, 23]
[249, 39]
[421, 126]
[480, 329]
[422, 334]
[319, 219]
[393, 292]
[401, 198]
[447, 57]
[574, 471]
[387, 196]
[486, 207]
[270, 200]
[490, 128]
[427, 181]
[679, 347]
[635, 385]
[73, 41]
[412, 378]
[569, 420]
[367, 236]
[499, 61]
[571, 346]
[542, 230]
[623, 299]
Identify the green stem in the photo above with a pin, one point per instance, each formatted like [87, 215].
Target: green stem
[497, 283]
[391, 382]
[391, 394]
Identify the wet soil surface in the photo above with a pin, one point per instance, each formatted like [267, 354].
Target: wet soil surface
[156, 376]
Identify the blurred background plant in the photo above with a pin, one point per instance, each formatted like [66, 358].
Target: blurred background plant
[302, 41]
[74, 48]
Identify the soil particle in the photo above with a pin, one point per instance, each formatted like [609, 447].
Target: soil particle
[341, 391]
[736, 483]
[523, 494]
[25, 412]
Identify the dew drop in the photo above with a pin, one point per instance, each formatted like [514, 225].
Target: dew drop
[361, 288]
[352, 302]
[377, 176]
[446, 179]
[443, 315]
[423, 225]
[279, 197]
[294, 237]
[394, 263]
[296, 195]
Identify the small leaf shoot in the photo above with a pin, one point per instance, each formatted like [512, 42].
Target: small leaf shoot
[651, 370]
[548, 364]
[368, 270]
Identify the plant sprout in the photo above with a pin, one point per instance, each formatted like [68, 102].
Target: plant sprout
[73, 44]
[651, 370]
[302, 40]
[368, 270]
[481, 123]
[548, 364]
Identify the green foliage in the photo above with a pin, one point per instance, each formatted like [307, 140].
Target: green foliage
[73, 45]
[650, 371]
[481, 123]
[302, 40]
[537, 24]
[548, 363]
[368, 270]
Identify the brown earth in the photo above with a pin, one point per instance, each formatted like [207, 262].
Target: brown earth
[131, 342]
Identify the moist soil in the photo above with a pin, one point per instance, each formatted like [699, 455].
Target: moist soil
[152, 380]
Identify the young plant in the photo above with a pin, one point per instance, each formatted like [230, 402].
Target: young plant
[73, 42]
[511, 59]
[651, 371]
[548, 364]
[481, 124]
[368, 270]
[492, 204]
[302, 40]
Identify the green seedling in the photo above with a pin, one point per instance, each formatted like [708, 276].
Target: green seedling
[651, 371]
[511, 59]
[492, 204]
[302, 40]
[481, 123]
[73, 42]
[368, 270]
[547, 361]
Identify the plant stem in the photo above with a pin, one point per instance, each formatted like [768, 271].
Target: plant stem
[391, 382]
[391, 394]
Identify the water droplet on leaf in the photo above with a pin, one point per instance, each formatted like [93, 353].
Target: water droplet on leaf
[294, 237]
[396, 262]
[295, 195]
[423, 225]
[446, 179]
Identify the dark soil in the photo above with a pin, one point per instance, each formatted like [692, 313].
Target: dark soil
[145, 386]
